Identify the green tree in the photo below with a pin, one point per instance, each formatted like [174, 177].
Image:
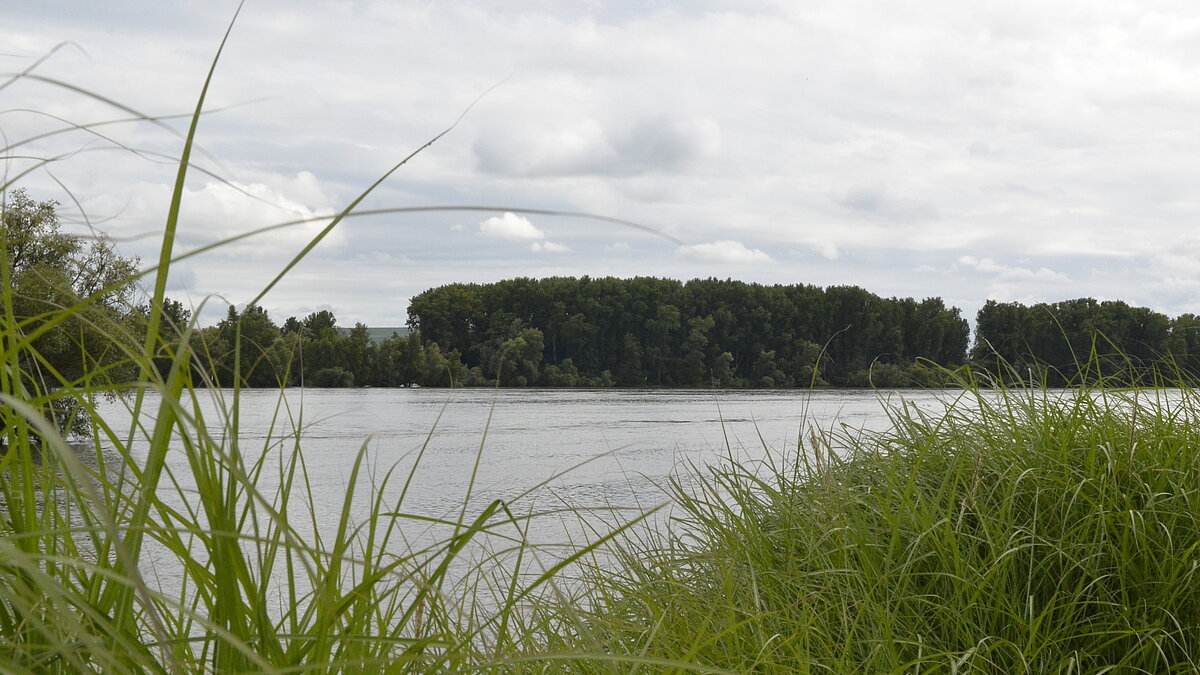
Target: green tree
[661, 333]
[648, 330]
[69, 300]
[409, 359]
[175, 320]
[359, 353]
[283, 356]
[319, 325]
[693, 371]
[519, 359]
[248, 358]
[449, 315]
[440, 370]
[333, 376]
[723, 370]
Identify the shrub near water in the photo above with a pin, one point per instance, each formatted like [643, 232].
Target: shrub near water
[1019, 532]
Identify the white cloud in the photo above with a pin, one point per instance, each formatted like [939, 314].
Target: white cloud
[548, 247]
[458, 228]
[724, 252]
[550, 147]
[827, 249]
[824, 248]
[221, 210]
[617, 247]
[1009, 273]
[530, 149]
[511, 227]
[384, 258]
[877, 201]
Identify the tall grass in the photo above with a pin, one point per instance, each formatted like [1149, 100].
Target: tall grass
[254, 582]
[1016, 531]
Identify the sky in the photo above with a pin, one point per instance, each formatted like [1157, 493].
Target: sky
[1013, 151]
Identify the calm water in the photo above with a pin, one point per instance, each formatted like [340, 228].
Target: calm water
[538, 450]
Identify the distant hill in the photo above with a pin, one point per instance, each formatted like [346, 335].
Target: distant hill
[378, 334]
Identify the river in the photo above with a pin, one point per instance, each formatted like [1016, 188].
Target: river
[604, 453]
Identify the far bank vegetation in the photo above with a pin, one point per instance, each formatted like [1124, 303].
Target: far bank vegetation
[651, 332]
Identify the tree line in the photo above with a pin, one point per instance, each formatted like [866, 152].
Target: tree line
[569, 332]
[312, 352]
[645, 331]
[1084, 340]
[651, 332]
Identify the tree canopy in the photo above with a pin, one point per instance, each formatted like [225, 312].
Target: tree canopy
[660, 332]
[1085, 339]
[68, 300]
[46, 271]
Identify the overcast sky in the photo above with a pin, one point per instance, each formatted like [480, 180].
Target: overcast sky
[969, 150]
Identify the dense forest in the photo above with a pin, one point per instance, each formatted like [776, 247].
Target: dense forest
[564, 332]
[1082, 340]
[706, 332]
[606, 332]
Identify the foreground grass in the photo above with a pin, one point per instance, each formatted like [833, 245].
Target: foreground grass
[1018, 532]
[1014, 531]
[252, 582]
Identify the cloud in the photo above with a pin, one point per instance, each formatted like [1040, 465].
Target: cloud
[222, 210]
[876, 201]
[548, 247]
[586, 146]
[827, 249]
[181, 278]
[570, 148]
[667, 144]
[458, 228]
[1062, 133]
[723, 252]
[1008, 273]
[383, 258]
[510, 227]
[219, 211]
[824, 248]
[617, 247]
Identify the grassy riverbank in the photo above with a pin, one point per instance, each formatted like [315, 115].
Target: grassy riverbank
[1021, 531]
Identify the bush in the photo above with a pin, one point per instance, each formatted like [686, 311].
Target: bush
[331, 377]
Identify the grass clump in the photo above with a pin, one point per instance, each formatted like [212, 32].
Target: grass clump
[1018, 531]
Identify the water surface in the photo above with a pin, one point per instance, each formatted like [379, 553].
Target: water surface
[607, 453]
